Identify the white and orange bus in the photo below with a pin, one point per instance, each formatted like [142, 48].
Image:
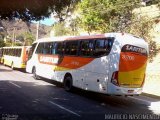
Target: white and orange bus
[111, 63]
[15, 57]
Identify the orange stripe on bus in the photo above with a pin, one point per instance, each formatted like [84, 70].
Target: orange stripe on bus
[130, 61]
[74, 62]
[67, 62]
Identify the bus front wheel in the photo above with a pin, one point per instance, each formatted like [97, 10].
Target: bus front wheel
[68, 83]
[35, 76]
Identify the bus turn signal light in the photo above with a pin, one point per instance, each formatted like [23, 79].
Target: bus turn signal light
[143, 80]
[114, 78]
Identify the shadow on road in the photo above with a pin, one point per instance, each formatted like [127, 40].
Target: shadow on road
[5, 70]
[105, 100]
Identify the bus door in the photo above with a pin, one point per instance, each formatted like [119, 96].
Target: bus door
[46, 60]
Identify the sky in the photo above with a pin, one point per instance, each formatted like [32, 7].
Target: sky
[46, 21]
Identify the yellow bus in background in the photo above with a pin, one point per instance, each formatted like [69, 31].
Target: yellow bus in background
[1, 54]
[15, 57]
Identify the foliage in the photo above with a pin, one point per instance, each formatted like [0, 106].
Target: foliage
[141, 27]
[153, 50]
[117, 16]
[24, 39]
[2, 44]
[60, 29]
[28, 10]
[74, 26]
[66, 12]
[17, 44]
[151, 2]
[107, 15]
[28, 38]
[20, 37]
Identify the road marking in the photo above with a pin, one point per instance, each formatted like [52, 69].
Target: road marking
[15, 85]
[64, 108]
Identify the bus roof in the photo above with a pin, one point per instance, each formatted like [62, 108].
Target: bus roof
[17, 47]
[71, 38]
[83, 37]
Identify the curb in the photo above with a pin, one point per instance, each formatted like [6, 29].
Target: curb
[146, 99]
[151, 95]
[141, 101]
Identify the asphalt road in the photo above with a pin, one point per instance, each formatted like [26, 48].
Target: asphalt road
[23, 98]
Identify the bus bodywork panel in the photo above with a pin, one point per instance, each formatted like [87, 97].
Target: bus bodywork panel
[132, 66]
[132, 62]
[83, 70]
[96, 73]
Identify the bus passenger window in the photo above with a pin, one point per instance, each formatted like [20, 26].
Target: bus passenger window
[103, 46]
[71, 47]
[46, 48]
[100, 48]
[39, 48]
[19, 52]
[53, 48]
[86, 48]
[58, 48]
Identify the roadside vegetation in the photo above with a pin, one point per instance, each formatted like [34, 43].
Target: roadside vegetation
[75, 17]
[102, 16]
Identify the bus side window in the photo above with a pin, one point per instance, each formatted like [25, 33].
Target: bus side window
[103, 46]
[0, 52]
[87, 48]
[39, 48]
[58, 48]
[109, 43]
[53, 48]
[100, 48]
[31, 50]
[47, 48]
[71, 47]
[18, 52]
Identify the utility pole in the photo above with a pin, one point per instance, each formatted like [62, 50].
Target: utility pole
[37, 30]
[13, 37]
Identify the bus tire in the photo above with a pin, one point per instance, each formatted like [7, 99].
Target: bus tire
[35, 76]
[3, 61]
[68, 83]
[12, 66]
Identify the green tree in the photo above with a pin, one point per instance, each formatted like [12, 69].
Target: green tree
[20, 37]
[2, 44]
[74, 26]
[107, 15]
[28, 38]
[60, 29]
[141, 27]
[28, 10]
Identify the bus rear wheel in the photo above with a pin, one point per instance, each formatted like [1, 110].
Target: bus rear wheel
[35, 76]
[12, 66]
[68, 83]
